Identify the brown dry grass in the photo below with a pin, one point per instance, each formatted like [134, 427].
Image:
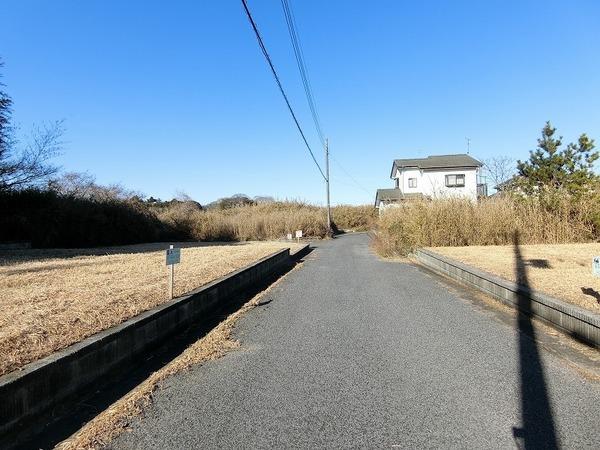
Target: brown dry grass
[251, 222]
[569, 267]
[101, 430]
[54, 298]
[354, 218]
[264, 220]
[493, 221]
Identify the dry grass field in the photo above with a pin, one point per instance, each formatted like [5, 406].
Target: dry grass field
[561, 270]
[54, 298]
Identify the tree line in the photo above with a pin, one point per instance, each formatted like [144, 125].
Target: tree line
[50, 208]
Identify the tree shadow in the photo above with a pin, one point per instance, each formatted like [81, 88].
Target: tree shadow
[538, 263]
[537, 431]
[591, 292]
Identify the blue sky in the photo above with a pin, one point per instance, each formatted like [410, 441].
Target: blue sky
[176, 96]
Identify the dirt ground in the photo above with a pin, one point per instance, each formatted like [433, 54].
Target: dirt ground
[54, 298]
[563, 270]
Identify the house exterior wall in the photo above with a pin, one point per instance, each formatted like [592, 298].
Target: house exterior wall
[432, 183]
[386, 206]
[409, 174]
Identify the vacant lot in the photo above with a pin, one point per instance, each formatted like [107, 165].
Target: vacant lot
[54, 298]
[563, 270]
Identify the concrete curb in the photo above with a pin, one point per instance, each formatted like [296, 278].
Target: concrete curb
[42, 385]
[300, 253]
[576, 321]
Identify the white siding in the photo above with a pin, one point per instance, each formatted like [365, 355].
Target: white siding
[432, 183]
[400, 177]
[385, 206]
[435, 184]
[408, 174]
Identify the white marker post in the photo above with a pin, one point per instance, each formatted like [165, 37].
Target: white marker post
[298, 235]
[596, 266]
[173, 257]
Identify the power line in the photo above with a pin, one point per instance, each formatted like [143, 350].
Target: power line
[268, 58]
[350, 176]
[297, 46]
[291, 24]
[300, 61]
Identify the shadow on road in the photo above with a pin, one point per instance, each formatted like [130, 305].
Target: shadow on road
[537, 430]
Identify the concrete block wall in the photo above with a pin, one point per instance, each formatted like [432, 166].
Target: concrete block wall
[43, 384]
[576, 321]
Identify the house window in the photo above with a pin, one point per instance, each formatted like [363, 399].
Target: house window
[412, 182]
[455, 180]
[397, 183]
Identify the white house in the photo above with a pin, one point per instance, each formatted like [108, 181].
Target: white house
[433, 177]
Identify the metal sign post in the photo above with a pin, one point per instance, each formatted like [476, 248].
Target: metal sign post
[173, 257]
[298, 235]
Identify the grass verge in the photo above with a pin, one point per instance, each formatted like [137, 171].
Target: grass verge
[54, 298]
[561, 270]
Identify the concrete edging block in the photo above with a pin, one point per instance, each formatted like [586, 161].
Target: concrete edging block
[44, 384]
[576, 321]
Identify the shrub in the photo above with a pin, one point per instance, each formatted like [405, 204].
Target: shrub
[179, 216]
[47, 219]
[493, 221]
[260, 221]
[355, 218]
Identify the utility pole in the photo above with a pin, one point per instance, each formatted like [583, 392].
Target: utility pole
[468, 145]
[329, 230]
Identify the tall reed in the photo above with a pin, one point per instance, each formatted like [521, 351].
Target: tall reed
[460, 222]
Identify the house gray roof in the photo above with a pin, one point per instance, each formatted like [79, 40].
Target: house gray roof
[437, 162]
[508, 184]
[394, 194]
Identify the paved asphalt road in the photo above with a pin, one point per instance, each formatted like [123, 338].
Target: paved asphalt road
[354, 351]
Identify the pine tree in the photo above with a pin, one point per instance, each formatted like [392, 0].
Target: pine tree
[553, 167]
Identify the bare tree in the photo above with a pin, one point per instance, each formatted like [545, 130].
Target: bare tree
[182, 196]
[500, 169]
[30, 166]
[83, 185]
[74, 184]
[5, 116]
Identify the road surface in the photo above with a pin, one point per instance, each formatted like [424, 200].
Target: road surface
[355, 351]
